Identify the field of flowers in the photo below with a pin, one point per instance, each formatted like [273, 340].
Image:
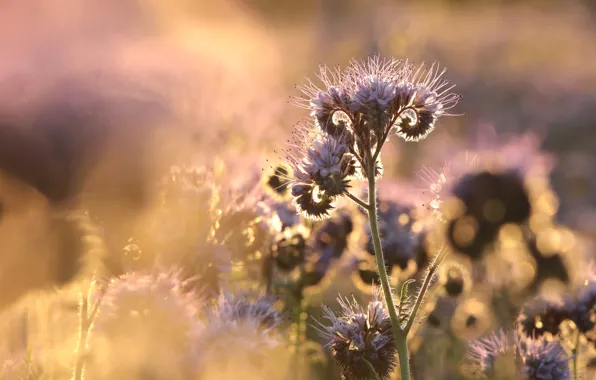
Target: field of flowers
[297, 190]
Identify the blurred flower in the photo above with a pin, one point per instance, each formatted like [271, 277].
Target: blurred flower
[542, 316]
[481, 191]
[402, 238]
[357, 335]
[136, 312]
[454, 279]
[472, 318]
[231, 308]
[529, 358]
[495, 353]
[246, 323]
[20, 366]
[289, 251]
[326, 245]
[278, 180]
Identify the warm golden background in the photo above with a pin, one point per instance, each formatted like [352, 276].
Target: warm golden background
[211, 80]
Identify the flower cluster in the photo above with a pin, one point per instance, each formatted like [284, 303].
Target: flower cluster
[354, 111]
[357, 336]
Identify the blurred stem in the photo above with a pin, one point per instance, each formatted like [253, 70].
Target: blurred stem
[575, 353]
[372, 370]
[399, 335]
[86, 318]
[82, 342]
[269, 269]
[297, 320]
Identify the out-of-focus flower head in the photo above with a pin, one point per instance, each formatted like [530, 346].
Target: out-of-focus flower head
[137, 311]
[20, 366]
[454, 279]
[508, 354]
[357, 335]
[483, 190]
[471, 318]
[547, 315]
[289, 251]
[582, 308]
[247, 322]
[231, 308]
[180, 224]
[277, 180]
[402, 236]
[542, 315]
[325, 246]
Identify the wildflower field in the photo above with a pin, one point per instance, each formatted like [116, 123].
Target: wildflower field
[278, 190]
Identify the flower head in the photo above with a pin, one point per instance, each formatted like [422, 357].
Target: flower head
[422, 99]
[454, 279]
[481, 191]
[231, 308]
[358, 335]
[528, 358]
[543, 315]
[138, 310]
[247, 324]
[402, 238]
[487, 352]
[544, 360]
[322, 165]
[378, 95]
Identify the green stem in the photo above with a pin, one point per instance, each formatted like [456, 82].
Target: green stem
[372, 370]
[432, 270]
[400, 337]
[404, 358]
[358, 201]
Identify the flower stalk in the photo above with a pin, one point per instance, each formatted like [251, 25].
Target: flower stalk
[383, 277]
[352, 116]
[86, 317]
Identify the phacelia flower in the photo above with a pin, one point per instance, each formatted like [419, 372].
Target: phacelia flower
[239, 308]
[421, 100]
[358, 334]
[401, 237]
[322, 166]
[278, 180]
[454, 279]
[379, 95]
[246, 323]
[541, 316]
[136, 311]
[527, 358]
[289, 251]
[353, 112]
[481, 191]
